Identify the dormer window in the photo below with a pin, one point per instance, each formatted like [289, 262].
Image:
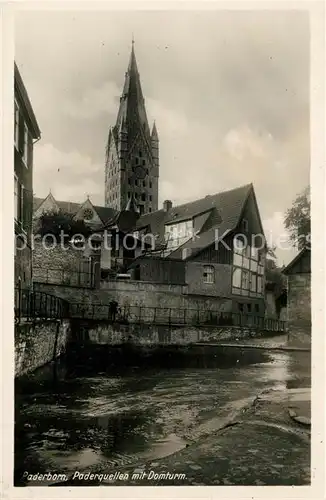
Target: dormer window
[209, 274]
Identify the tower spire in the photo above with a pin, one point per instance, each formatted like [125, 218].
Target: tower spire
[131, 145]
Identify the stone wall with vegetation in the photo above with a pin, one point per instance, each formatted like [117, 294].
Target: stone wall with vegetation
[63, 264]
[38, 343]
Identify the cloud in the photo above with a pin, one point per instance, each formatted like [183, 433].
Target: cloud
[69, 175]
[277, 236]
[229, 92]
[94, 102]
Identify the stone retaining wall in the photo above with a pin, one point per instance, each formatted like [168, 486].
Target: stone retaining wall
[116, 334]
[38, 343]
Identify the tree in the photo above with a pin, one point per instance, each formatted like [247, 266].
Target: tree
[297, 220]
[61, 223]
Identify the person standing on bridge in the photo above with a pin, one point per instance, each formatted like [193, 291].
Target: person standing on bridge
[113, 309]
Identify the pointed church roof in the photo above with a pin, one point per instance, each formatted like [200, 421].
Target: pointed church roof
[132, 106]
[154, 134]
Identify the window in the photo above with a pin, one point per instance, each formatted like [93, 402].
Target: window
[236, 277]
[177, 234]
[140, 154]
[208, 274]
[257, 308]
[259, 284]
[246, 263]
[249, 308]
[254, 266]
[245, 280]
[144, 162]
[21, 207]
[144, 183]
[240, 307]
[150, 197]
[136, 182]
[16, 197]
[237, 259]
[239, 245]
[246, 258]
[88, 214]
[253, 282]
[254, 253]
[136, 161]
[261, 258]
[247, 251]
[16, 124]
[143, 196]
[136, 196]
[141, 209]
[25, 152]
[150, 184]
[150, 209]
[129, 181]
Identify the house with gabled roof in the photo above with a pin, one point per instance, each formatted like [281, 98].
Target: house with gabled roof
[220, 242]
[26, 134]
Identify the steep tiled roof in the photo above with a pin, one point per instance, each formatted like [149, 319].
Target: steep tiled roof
[105, 213]
[301, 254]
[65, 206]
[132, 110]
[226, 208]
[37, 202]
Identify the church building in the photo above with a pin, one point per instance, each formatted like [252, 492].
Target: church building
[132, 153]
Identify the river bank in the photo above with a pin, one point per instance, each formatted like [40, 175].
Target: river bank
[93, 418]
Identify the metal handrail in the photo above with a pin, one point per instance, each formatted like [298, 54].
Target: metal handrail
[173, 316]
[30, 304]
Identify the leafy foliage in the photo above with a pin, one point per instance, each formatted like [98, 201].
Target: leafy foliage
[297, 220]
[61, 224]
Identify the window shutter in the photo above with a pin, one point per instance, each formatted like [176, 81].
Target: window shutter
[21, 133]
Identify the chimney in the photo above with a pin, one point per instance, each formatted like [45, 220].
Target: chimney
[167, 205]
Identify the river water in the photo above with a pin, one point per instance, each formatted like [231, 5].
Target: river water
[86, 418]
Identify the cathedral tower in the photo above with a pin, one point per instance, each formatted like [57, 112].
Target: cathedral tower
[132, 154]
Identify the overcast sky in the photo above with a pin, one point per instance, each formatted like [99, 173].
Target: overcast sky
[229, 92]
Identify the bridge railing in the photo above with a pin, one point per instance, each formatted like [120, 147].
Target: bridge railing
[173, 316]
[31, 304]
